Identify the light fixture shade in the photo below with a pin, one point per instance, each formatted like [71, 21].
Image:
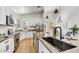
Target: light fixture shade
[47, 17]
[38, 6]
[56, 11]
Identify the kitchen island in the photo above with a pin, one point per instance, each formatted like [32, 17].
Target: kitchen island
[52, 49]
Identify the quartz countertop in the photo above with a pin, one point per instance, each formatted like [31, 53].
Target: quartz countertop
[3, 39]
[46, 44]
[54, 50]
[72, 42]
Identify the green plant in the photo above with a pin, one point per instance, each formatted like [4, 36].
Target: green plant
[74, 29]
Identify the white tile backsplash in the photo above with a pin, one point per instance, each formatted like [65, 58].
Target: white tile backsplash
[4, 29]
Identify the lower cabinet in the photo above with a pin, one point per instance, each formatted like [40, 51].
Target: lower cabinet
[7, 46]
[42, 48]
[11, 42]
[0, 47]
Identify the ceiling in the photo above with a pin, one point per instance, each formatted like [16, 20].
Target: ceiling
[67, 11]
[26, 9]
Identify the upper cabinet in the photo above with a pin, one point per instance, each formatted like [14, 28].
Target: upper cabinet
[3, 16]
[8, 10]
[4, 10]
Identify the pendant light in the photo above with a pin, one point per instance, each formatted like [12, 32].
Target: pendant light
[47, 17]
[56, 11]
[38, 6]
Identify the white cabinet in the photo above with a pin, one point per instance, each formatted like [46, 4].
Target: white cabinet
[8, 11]
[7, 46]
[0, 14]
[3, 16]
[11, 44]
[0, 47]
[42, 48]
[4, 10]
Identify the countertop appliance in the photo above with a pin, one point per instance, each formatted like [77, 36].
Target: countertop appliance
[9, 20]
[10, 32]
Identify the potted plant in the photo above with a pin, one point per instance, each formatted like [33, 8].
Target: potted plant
[74, 29]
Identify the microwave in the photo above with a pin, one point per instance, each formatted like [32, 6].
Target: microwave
[9, 20]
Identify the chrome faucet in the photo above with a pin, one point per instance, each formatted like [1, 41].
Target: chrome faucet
[60, 32]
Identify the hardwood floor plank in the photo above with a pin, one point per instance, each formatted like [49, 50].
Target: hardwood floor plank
[26, 46]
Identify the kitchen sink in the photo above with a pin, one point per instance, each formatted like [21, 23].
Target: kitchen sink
[59, 45]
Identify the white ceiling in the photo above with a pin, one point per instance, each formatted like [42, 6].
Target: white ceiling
[50, 8]
[25, 9]
[65, 10]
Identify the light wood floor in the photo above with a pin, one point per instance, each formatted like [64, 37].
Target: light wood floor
[26, 46]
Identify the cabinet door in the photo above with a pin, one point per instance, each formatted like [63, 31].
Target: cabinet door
[5, 46]
[7, 10]
[4, 10]
[0, 47]
[11, 44]
[42, 48]
[1, 15]
[4, 15]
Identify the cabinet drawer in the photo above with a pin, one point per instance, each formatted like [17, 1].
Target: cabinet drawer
[5, 46]
[42, 48]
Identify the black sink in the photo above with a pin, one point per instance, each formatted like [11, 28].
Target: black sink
[60, 45]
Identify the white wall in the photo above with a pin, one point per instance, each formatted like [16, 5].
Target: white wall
[4, 29]
[69, 15]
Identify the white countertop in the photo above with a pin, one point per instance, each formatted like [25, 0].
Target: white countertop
[72, 42]
[54, 50]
